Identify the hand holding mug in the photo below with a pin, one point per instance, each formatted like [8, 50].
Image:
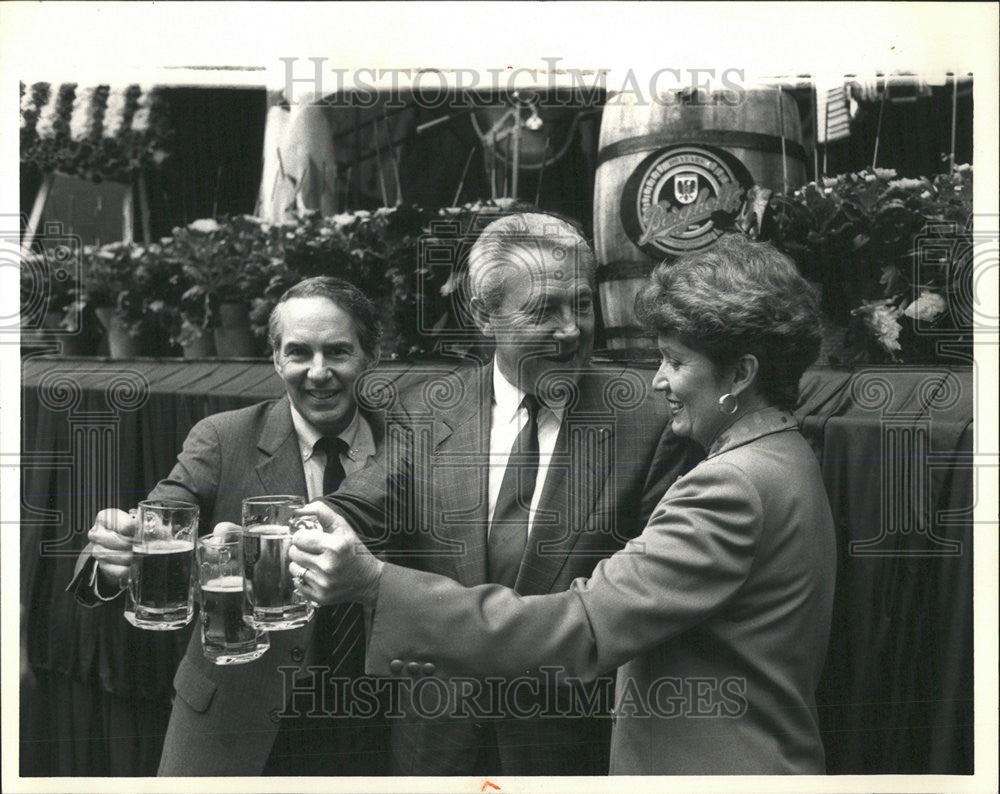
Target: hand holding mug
[111, 537]
[160, 593]
[331, 564]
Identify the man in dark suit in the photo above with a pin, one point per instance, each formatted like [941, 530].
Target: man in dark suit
[241, 720]
[524, 472]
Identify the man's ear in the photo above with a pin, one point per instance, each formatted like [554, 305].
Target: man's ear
[274, 360]
[481, 317]
[744, 372]
[375, 359]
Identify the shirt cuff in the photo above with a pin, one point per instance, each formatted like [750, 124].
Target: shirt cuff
[95, 584]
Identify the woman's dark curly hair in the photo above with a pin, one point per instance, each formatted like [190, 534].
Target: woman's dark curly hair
[734, 298]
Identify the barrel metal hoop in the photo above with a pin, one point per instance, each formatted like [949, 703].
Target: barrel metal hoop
[731, 138]
[623, 271]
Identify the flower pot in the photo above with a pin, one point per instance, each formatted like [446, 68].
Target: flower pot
[72, 345]
[233, 336]
[121, 343]
[201, 345]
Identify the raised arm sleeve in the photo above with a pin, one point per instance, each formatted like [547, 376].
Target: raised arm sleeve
[694, 554]
[194, 478]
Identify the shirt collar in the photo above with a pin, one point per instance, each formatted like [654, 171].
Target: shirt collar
[751, 427]
[357, 435]
[508, 398]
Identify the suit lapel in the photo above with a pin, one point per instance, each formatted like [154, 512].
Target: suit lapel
[280, 469]
[581, 465]
[460, 475]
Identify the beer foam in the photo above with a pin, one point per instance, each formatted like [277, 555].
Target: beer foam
[268, 529]
[224, 584]
[171, 546]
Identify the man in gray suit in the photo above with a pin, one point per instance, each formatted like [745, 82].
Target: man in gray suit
[523, 472]
[247, 719]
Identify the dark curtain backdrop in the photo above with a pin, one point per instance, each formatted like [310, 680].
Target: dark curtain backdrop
[98, 700]
[915, 139]
[217, 156]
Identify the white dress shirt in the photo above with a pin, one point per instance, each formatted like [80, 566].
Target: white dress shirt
[360, 446]
[509, 416]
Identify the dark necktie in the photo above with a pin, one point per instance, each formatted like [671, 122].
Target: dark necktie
[340, 629]
[333, 472]
[509, 529]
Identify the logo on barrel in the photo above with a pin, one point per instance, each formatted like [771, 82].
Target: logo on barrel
[675, 199]
[686, 188]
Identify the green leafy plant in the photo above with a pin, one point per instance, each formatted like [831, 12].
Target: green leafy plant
[221, 261]
[376, 251]
[891, 254]
[138, 283]
[182, 280]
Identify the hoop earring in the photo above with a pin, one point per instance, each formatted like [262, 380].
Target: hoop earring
[728, 404]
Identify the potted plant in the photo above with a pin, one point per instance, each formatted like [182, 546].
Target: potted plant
[277, 277]
[51, 308]
[108, 289]
[379, 253]
[131, 290]
[224, 265]
[189, 325]
[893, 257]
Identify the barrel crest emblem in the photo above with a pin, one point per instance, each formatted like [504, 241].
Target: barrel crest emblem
[677, 197]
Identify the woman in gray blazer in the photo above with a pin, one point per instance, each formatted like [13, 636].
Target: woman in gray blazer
[717, 616]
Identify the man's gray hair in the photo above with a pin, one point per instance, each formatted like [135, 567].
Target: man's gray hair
[512, 246]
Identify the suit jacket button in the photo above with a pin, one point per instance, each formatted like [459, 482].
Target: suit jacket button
[274, 716]
[413, 668]
[297, 654]
[396, 666]
[429, 668]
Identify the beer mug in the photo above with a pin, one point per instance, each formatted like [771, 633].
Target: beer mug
[273, 602]
[160, 592]
[226, 638]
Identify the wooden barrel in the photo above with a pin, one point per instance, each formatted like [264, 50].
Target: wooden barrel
[666, 169]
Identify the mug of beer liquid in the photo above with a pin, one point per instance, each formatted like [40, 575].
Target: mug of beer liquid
[273, 602]
[226, 638]
[160, 592]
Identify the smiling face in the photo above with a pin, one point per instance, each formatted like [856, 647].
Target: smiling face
[545, 320]
[692, 385]
[319, 359]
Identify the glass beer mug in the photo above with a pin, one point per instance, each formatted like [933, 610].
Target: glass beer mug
[160, 592]
[226, 638]
[273, 602]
